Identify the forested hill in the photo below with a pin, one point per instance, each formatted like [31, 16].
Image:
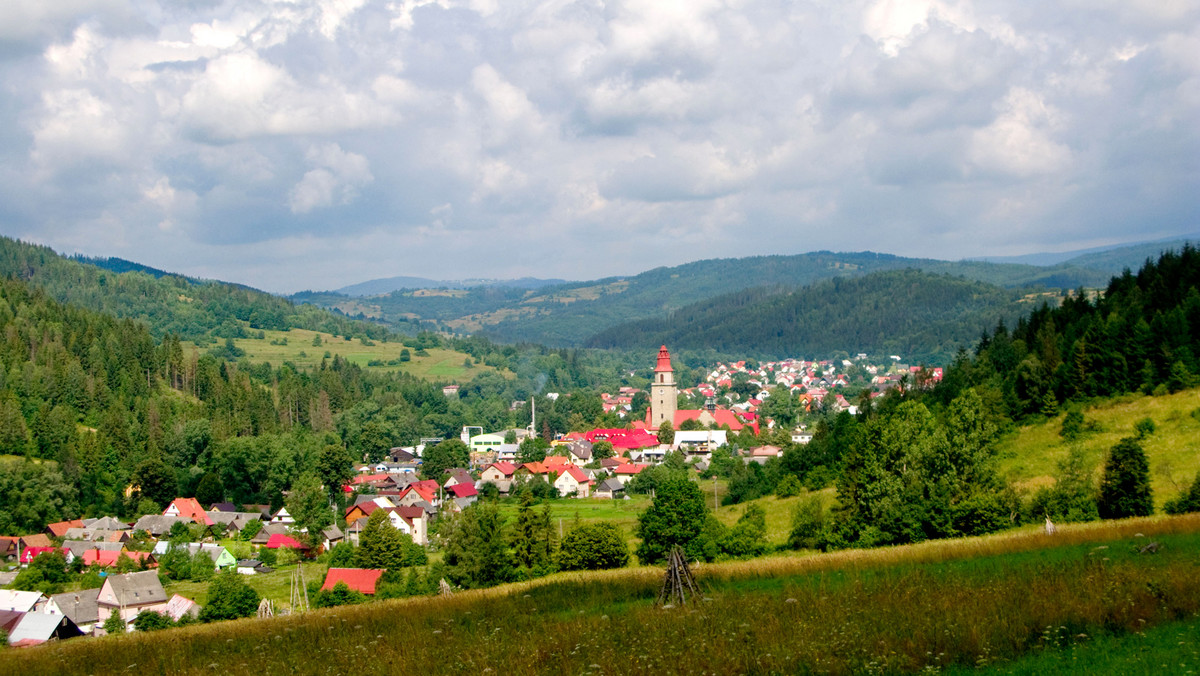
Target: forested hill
[1142, 333]
[907, 312]
[569, 314]
[190, 309]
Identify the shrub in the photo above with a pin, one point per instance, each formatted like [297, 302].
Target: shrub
[593, 546]
[229, 598]
[340, 595]
[1125, 486]
[149, 620]
[808, 524]
[789, 487]
[1186, 502]
[676, 517]
[114, 624]
[748, 536]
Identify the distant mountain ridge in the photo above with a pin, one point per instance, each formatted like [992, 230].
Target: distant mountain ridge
[378, 287]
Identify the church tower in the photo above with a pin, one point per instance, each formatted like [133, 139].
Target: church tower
[663, 393]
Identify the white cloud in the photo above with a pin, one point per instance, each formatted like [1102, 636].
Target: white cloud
[336, 178]
[581, 138]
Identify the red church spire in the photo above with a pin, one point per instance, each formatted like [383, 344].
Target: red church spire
[664, 360]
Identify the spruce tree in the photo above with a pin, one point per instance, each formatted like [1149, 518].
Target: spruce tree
[1125, 487]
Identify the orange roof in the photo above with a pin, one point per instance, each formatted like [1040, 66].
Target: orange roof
[427, 490]
[630, 469]
[190, 507]
[359, 579]
[59, 529]
[555, 460]
[105, 559]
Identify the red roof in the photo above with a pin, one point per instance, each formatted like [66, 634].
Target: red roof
[630, 469]
[664, 360]
[506, 468]
[555, 461]
[30, 553]
[359, 579]
[577, 474]
[619, 438]
[370, 478]
[190, 507]
[105, 559]
[280, 540]
[59, 529]
[536, 467]
[463, 490]
[427, 490]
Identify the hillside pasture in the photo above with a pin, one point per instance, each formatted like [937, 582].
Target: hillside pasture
[928, 607]
[1029, 456]
[438, 365]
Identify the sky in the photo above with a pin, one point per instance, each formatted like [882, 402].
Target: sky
[297, 145]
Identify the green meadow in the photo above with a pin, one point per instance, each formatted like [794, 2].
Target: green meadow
[990, 602]
[438, 365]
[1029, 456]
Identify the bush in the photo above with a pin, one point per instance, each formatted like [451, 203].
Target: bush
[747, 538]
[982, 513]
[808, 524]
[789, 487]
[229, 598]
[340, 595]
[114, 624]
[1125, 486]
[149, 620]
[593, 546]
[1186, 502]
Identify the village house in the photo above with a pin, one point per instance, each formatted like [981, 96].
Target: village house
[81, 606]
[188, 508]
[36, 628]
[610, 489]
[130, 594]
[362, 580]
[572, 481]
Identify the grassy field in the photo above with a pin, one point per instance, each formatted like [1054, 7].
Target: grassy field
[440, 365]
[1172, 648]
[1030, 455]
[623, 513]
[990, 601]
[275, 585]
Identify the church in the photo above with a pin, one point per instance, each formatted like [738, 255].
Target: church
[664, 395]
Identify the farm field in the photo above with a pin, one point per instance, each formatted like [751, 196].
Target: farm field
[1029, 456]
[439, 365]
[989, 601]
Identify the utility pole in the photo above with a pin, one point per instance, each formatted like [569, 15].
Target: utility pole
[716, 504]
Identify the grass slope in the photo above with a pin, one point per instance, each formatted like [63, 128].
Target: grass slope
[1029, 456]
[439, 365]
[931, 606]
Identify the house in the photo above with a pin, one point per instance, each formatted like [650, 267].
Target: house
[36, 628]
[572, 481]
[234, 521]
[421, 491]
[458, 476]
[761, 454]
[268, 531]
[579, 451]
[221, 557]
[180, 606]
[105, 523]
[498, 473]
[222, 507]
[279, 540]
[361, 580]
[25, 601]
[365, 506]
[35, 540]
[252, 567]
[81, 606]
[156, 525]
[610, 488]
[109, 559]
[331, 536]
[59, 528]
[188, 508]
[282, 516]
[464, 492]
[130, 594]
[30, 553]
[79, 547]
[625, 473]
[8, 546]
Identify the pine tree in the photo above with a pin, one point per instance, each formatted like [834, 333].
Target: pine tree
[1125, 487]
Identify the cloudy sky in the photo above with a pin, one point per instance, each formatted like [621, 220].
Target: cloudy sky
[293, 144]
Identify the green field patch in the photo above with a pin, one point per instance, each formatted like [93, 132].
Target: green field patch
[1029, 456]
[438, 364]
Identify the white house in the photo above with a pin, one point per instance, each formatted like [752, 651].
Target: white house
[573, 481]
